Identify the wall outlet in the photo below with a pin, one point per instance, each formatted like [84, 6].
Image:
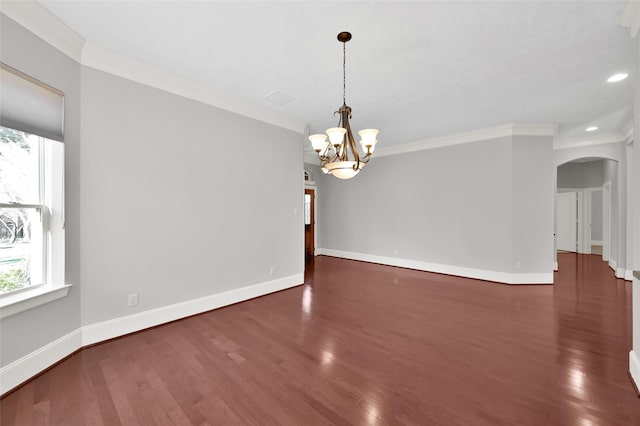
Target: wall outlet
[272, 270]
[133, 299]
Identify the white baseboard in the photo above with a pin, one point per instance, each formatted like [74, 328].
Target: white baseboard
[628, 275]
[21, 370]
[480, 274]
[30, 365]
[596, 242]
[555, 266]
[124, 325]
[613, 265]
[634, 368]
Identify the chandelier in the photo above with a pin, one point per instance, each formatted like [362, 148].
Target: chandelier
[339, 155]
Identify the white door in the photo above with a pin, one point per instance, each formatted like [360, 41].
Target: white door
[567, 221]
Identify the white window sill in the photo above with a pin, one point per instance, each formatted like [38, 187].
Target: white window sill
[12, 304]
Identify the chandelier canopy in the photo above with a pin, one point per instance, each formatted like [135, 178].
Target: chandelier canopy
[339, 155]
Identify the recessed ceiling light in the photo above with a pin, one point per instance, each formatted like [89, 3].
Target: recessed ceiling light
[591, 129]
[617, 77]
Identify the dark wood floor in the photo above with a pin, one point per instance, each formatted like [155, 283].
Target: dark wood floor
[365, 344]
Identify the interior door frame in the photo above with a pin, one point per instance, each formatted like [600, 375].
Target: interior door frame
[314, 188]
[606, 221]
[584, 218]
[578, 202]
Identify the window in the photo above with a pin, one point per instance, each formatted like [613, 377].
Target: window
[32, 243]
[22, 211]
[27, 209]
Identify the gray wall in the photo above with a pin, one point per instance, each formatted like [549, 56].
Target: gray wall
[178, 199]
[636, 207]
[454, 206]
[581, 175]
[25, 332]
[181, 200]
[636, 180]
[532, 205]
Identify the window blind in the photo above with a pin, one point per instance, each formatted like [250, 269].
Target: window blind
[29, 105]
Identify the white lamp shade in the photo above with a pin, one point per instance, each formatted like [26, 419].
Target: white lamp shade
[318, 142]
[368, 136]
[343, 169]
[372, 145]
[336, 135]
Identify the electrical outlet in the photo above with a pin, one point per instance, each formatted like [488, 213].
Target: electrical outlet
[133, 299]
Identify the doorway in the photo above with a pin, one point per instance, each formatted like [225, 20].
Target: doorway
[567, 221]
[309, 222]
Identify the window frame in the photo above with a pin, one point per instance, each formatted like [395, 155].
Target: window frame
[53, 234]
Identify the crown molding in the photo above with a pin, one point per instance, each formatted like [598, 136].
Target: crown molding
[505, 130]
[107, 61]
[45, 25]
[42, 23]
[630, 17]
[596, 140]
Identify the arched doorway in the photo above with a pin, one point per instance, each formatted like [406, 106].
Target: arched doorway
[586, 206]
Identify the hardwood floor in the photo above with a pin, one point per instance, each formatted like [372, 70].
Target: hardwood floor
[364, 344]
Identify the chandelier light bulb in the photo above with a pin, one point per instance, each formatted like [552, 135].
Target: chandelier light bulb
[336, 135]
[318, 142]
[368, 136]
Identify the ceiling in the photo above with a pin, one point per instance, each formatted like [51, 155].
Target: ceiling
[415, 70]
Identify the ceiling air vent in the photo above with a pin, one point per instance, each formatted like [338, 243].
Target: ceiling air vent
[278, 98]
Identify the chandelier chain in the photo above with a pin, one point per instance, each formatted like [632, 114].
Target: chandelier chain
[344, 73]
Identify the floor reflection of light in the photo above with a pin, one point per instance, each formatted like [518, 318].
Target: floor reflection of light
[306, 300]
[327, 357]
[372, 414]
[586, 422]
[576, 381]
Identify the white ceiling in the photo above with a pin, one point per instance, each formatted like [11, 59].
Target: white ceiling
[415, 70]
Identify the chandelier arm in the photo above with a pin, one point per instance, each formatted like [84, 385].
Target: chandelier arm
[326, 157]
[352, 145]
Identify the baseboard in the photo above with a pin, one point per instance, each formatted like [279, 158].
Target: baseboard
[32, 364]
[628, 275]
[21, 370]
[596, 242]
[479, 274]
[613, 265]
[131, 323]
[555, 266]
[634, 368]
